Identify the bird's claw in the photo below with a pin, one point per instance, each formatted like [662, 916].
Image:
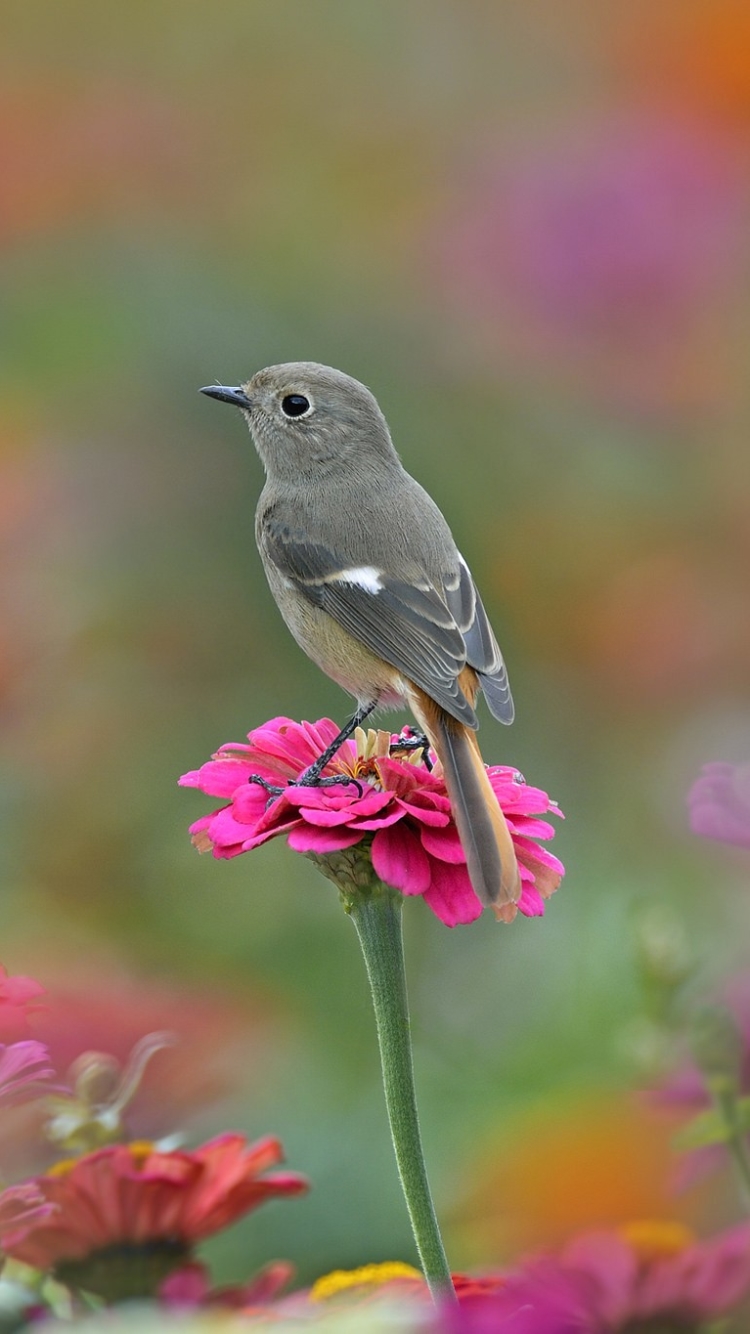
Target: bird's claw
[313, 779]
[411, 741]
[270, 788]
[309, 778]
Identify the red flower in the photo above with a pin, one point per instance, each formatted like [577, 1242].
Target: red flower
[130, 1208]
[398, 804]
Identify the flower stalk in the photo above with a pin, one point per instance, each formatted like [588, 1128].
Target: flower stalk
[376, 914]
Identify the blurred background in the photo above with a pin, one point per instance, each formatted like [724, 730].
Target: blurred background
[526, 228]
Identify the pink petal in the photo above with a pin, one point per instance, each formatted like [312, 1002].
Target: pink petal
[399, 859]
[530, 826]
[201, 826]
[443, 843]
[451, 896]
[224, 830]
[250, 803]
[322, 733]
[217, 778]
[337, 798]
[545, 868]
[531, 903]
[389, 817]
[278, 816]
[327, 819]
[293, 746]
[519, 797]
[309, 838]
[283, 741]
[424, 813]
[372, 802]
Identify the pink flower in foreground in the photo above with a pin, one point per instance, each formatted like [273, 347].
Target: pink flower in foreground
[397, 803]
[719, 803]
[122, 1205]
[17, 997]
[25, 1070]
[649, 1276]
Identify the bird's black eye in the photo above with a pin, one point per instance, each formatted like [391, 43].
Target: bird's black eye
[295, 405]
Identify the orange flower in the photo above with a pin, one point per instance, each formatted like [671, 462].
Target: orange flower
[596, 1161]
[127, 1215]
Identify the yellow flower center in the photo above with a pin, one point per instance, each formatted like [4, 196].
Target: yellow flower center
[366, 1277]
[140, 1151]
[656, 1239]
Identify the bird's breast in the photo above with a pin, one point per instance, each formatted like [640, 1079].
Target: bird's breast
[342, 657]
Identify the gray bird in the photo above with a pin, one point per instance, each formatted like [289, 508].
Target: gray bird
[368, 578]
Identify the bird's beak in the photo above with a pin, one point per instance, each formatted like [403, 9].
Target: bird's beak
[236, 396]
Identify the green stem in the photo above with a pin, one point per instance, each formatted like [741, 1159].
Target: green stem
[376, 913]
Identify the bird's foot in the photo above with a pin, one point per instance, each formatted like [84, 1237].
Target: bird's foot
[309, 778]
[411, 741]
[270, 788]
[312, 777]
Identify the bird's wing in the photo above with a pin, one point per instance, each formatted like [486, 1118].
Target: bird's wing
[407, 623]
[482, 650]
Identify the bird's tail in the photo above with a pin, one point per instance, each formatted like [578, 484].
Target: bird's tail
[482, 827]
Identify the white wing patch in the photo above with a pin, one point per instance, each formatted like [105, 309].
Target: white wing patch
[362, 576]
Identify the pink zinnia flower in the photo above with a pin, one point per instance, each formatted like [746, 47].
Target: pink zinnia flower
[126, 1215]
[25, 1071]
[17, 997]
[648, 1276]
[396, 803]
[719, 803]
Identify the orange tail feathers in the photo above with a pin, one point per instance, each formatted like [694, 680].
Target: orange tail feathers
[482, 827]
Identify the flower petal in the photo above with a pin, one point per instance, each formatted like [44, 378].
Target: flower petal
[311, 838]
[451, 896]
[443, 843]
[217, 778]
[531, 903]
[399, 859]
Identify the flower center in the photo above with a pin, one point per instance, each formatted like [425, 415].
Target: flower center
[364, 770]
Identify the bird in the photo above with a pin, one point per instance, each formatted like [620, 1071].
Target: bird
[370, 582]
